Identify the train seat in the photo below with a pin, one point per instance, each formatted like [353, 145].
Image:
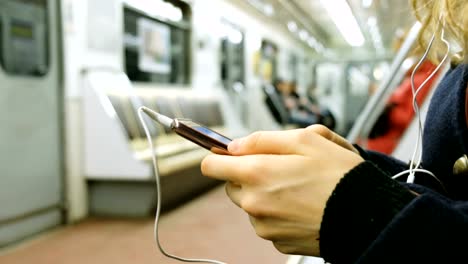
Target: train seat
[117, 155]
[173, 152]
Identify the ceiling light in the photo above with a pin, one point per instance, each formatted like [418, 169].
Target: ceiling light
[265, 8]
[292, 26]
[319, 47]
[303, 35]
[157, 8]
[343, 17]
[367, 3]
[372, 21]
[378, 73]
[268, 10]
[235, 36]
[312, 42]
[174, 13]
[375, 35]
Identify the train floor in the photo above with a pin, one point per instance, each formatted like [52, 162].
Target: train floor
[209, 226]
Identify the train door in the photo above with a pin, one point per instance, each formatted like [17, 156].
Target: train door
[30, 121]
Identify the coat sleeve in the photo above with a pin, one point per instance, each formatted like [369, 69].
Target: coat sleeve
[390, 165]
[371, 218]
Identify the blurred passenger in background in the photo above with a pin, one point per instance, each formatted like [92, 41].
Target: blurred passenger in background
[300, 110]
[399, 110]
[299, 114]
[325, 115]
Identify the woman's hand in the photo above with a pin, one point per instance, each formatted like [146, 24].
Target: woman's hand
[283, 181]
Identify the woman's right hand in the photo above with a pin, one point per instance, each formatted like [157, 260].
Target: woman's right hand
[283, 180]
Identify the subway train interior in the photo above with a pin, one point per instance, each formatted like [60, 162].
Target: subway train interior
[77, 182]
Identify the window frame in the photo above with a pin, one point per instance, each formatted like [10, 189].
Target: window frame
[226, 61]
[183, 27]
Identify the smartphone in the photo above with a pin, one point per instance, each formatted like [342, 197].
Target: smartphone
[201, 135]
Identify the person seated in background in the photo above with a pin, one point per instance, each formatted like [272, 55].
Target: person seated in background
[298, 114]
[325, 115]
[302, 103]
[301, 111]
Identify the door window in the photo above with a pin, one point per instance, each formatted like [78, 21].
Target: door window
[24, 37]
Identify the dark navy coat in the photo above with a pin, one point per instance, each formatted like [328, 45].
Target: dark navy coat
[371, 218]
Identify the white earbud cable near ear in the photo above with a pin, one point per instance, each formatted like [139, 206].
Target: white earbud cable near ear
[146, 110]
[414, 166]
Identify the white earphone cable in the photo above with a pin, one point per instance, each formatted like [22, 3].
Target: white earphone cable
[414, 166]
[158, 202]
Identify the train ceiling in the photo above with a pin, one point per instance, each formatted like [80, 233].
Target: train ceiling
[365, 27]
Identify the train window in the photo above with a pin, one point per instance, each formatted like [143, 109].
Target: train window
[157, 48]
[24, 37]
[232, 55]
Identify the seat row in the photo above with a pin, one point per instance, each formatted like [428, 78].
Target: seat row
[116, 153]
[173, 152]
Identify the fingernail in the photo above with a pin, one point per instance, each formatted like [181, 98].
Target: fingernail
[234, 146]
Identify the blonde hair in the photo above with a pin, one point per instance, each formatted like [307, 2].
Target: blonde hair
[449, 15]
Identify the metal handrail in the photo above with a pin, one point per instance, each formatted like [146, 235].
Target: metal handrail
[376, 103]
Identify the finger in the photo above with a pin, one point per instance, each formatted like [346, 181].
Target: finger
[234, 192]
[236, 169]
[269, 142]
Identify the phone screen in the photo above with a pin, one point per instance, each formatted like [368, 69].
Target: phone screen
[202, 136]
[212, 134]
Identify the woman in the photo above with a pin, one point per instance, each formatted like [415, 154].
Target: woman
[312, 193]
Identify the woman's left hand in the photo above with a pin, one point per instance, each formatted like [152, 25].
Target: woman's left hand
[283, 180]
